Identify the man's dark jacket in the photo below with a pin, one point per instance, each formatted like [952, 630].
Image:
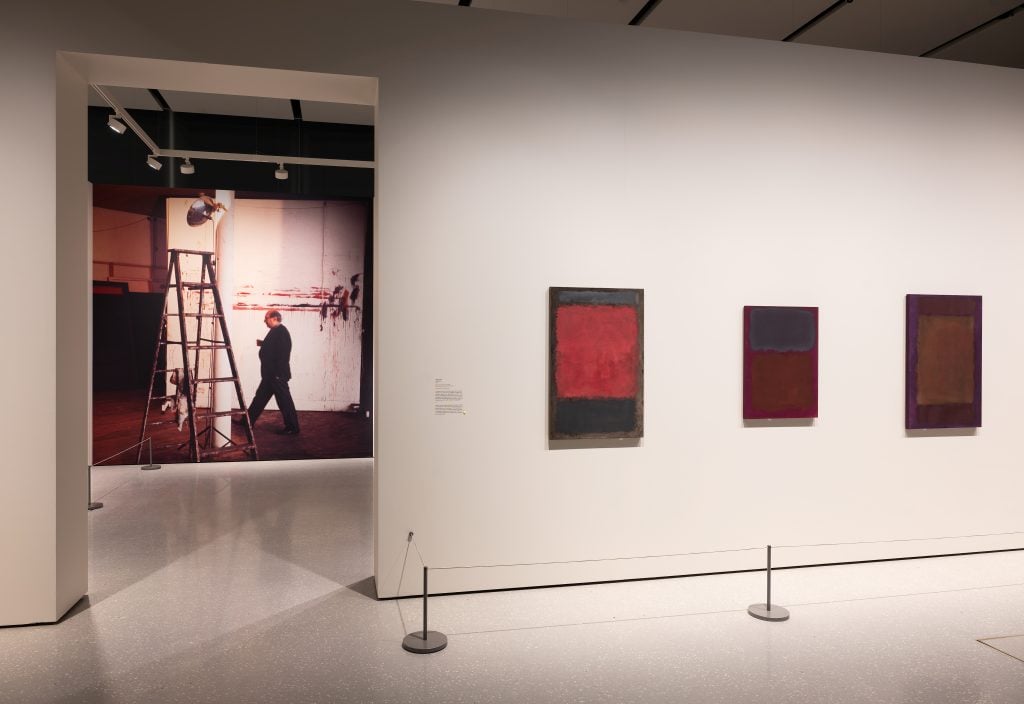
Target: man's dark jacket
[275, 354]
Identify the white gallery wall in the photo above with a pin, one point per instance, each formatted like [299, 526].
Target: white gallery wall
[516, 153]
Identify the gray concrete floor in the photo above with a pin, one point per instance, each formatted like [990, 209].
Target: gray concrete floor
[240, 584]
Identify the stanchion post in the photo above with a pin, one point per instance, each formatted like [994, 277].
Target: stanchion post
[765, 611]
[93, 505]
[425, 641]
[425, 592]
[149, 466]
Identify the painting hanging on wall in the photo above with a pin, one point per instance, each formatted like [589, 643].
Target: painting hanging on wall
[943, 362]
[597, 363]
[780, 362]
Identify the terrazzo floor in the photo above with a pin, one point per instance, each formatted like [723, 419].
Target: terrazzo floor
[236, 584]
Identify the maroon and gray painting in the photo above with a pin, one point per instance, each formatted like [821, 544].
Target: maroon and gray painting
[780, 362]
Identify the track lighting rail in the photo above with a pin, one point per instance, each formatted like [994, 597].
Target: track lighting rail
[280, 160]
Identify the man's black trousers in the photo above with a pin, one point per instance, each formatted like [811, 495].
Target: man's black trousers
[278, 389]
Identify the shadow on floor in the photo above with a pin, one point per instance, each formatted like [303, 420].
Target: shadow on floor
[367, 587]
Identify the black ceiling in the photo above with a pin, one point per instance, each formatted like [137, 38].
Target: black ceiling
[121, 159]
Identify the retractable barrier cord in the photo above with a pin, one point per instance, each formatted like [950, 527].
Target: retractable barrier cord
[148, 441]
[427, 641]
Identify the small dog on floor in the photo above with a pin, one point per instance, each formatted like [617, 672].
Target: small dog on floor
[178, 403]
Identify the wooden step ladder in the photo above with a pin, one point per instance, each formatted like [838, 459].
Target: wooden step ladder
[197, 354]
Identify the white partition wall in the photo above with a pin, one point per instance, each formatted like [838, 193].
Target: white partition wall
[517, 153]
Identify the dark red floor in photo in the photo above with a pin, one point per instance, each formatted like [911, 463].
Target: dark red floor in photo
[117, 419]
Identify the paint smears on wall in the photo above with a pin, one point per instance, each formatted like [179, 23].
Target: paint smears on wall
[341, 303]
[335, 305]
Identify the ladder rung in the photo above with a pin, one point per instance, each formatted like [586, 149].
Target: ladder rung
[215, 379]
[229, 448]
[197, 284]
[162, 422]
[219, 414]
[191, 251]
[216, 346]
[162, 398]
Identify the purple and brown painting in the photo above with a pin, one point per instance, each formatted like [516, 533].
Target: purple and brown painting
[943, 382]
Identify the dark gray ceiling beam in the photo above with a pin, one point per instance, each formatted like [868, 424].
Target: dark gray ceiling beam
[160, 100]
[816, 20]
[981, 27]
[647, 9]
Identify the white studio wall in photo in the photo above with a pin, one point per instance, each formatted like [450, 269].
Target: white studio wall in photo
[304, 259]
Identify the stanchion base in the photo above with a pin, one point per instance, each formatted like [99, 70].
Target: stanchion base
[148, 467]
[93, 505]
[761, 611]
[415, 643]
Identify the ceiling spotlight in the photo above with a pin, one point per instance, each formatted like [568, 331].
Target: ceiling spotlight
[282, 173]
[116, 125]
[188, 168]
[154, 163]
[202, 210]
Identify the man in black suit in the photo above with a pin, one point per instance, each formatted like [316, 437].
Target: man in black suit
[275, 371]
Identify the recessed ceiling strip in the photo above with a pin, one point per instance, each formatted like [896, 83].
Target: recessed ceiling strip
[817, 19]
[160, 100]
[984, 25]
[647, 9]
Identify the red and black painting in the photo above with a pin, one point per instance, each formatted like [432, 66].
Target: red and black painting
[597, 363]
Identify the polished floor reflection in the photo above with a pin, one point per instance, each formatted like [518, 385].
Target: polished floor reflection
[238, 584]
